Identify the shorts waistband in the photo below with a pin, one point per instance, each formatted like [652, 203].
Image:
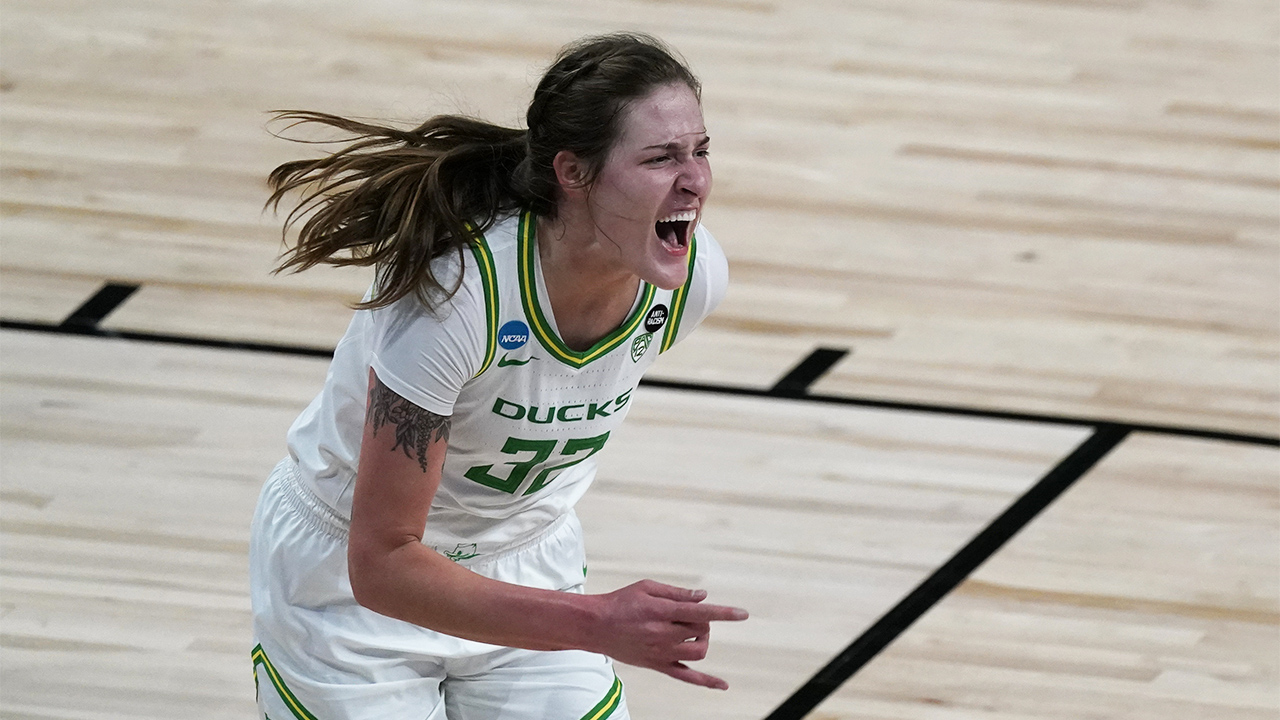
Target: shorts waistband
[324, 518]
[300, 498]
[493, 552]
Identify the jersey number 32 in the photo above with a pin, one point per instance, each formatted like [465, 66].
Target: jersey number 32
[580, 448]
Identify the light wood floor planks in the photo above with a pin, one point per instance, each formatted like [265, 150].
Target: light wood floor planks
[130, 474]
[1054, 206]
[1068, 207]
[1150, 590]
[131, 471]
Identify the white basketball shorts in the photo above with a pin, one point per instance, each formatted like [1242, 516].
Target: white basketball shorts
[319, 655]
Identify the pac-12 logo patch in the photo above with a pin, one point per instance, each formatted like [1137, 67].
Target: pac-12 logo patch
[656, 317]
[640, 345]
[513, 335]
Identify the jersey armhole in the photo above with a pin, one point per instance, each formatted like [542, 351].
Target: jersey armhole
[489, 281]
[678, 300]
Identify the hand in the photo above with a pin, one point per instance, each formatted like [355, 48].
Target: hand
[660, 627]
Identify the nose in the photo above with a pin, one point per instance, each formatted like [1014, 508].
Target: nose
[695, 178]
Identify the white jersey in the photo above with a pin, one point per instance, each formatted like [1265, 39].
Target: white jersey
[529, 414]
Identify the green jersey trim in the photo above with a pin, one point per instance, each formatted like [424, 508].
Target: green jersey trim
[611, 701]
[489, 279]
[678, 301]
[541, 328]
[295, 707]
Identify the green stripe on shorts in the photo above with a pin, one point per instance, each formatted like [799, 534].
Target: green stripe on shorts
[299, 712]
[611, 701]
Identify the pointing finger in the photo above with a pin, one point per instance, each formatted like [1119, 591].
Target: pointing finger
[690, 613]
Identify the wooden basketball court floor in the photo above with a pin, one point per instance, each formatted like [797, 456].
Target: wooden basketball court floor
[983, 252]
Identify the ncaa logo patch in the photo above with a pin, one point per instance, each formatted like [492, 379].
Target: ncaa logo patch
[513, 335]
[656, 318]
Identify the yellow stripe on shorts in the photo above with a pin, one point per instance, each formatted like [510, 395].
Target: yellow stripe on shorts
[611, 700]
[260, 658]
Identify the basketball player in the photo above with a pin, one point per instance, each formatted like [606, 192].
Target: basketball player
[417, 554]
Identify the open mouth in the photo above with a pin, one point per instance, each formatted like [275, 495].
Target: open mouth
[675, 229]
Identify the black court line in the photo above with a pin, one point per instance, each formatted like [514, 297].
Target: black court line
[307, 351]
[794, 386]
[796, 383]
[941, 409]
[163, 339]
[951, 574]
[98, 307]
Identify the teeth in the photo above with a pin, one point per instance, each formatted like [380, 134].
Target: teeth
[682, 216]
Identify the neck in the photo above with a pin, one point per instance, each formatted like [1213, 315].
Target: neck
[590, 294]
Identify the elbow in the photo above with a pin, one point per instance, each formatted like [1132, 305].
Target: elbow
[366, 578]
[383, 573]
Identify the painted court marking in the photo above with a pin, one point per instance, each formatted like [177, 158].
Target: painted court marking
[794, 386]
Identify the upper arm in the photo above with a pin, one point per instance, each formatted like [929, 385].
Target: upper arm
[401, 462]
[420, 360]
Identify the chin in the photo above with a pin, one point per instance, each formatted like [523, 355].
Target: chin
[668, 279]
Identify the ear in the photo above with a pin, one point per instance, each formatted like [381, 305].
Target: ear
[571, 172]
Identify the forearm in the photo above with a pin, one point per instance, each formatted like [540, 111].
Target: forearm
[393, 573]
[411, 582]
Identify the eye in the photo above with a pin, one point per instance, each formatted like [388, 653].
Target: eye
[703, 152]
[658, 160]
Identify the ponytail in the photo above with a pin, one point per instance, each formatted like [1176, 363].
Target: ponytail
[398, 199]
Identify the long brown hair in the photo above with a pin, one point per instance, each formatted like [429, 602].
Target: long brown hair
[398, 199]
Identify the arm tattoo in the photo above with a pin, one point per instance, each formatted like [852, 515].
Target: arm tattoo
[415, 428]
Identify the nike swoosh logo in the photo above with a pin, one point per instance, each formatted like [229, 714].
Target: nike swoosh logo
[504, 362]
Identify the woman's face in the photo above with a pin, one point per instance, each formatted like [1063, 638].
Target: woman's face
[649, 194]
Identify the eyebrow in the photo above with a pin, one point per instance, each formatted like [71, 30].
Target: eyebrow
[706, 139]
